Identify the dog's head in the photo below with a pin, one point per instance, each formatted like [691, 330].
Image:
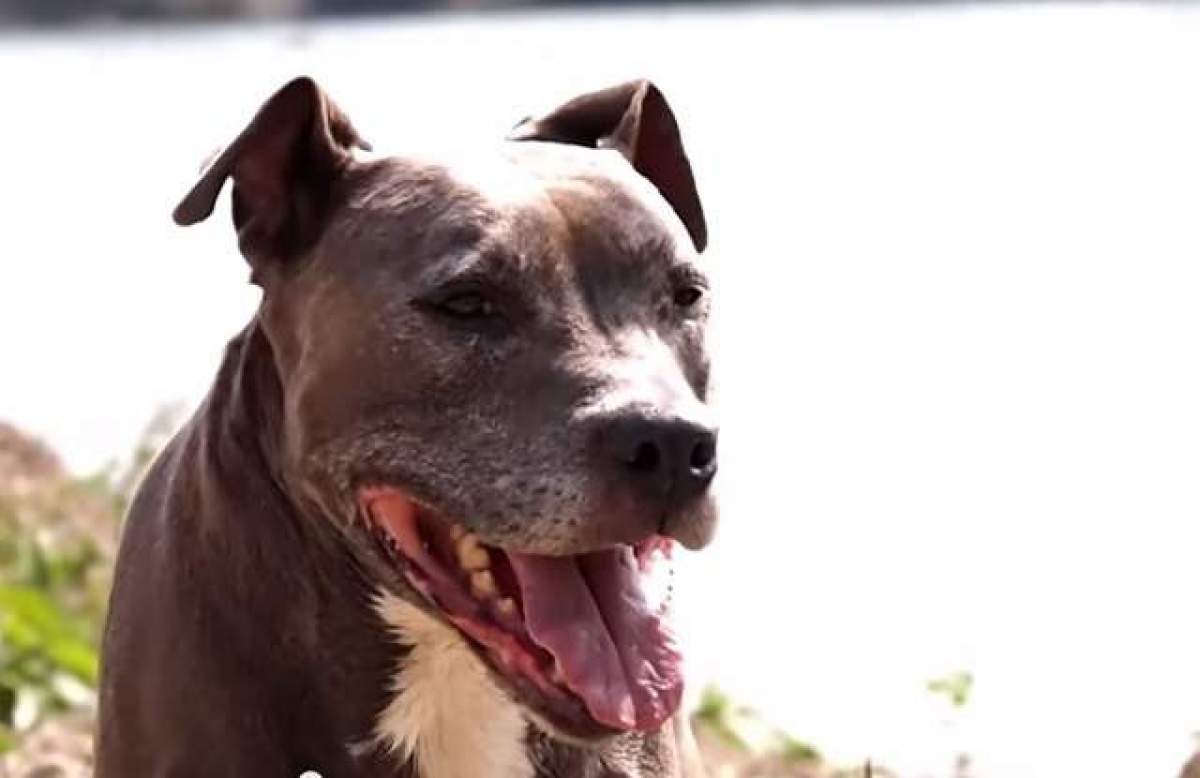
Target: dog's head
[494, 378]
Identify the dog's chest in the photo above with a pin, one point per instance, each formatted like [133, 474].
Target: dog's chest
[447, 716]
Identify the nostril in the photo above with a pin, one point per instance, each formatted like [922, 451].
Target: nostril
[645, 457]
[704, 456]
[659, 453]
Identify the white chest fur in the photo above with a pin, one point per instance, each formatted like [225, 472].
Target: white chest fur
[447, 715]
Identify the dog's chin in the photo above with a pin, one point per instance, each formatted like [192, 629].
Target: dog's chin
[580, 642]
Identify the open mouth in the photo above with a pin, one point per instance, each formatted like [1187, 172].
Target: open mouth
[576, 638]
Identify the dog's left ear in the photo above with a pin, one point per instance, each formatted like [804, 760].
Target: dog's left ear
[634, 119]
[282, 165]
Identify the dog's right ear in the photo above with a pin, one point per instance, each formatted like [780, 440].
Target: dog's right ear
[634, 119]
[282, 166]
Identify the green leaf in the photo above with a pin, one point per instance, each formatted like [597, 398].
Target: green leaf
[32, 622]
[955, 687]
[8, 703]
[715, 713]
[795, 751]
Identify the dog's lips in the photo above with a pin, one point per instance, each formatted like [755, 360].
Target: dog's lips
[574, 635]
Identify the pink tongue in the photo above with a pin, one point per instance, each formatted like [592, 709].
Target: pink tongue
[589, 613]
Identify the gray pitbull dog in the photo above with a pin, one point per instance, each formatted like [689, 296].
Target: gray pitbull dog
[410, 530]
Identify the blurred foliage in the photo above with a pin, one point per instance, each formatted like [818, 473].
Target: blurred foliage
[737, 741]
[715, 713]
[955, 688]
[58, 539]
[795, 751]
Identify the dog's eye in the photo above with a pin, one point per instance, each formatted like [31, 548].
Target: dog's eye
[467, 305]
[687, 296]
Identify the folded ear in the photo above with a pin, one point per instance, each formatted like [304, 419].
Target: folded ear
[632, 118]
[282, 165]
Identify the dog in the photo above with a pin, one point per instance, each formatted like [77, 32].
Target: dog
[408, 531]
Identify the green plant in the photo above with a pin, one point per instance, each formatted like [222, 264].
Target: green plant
[52, 586]
[58, 538]
[955, 687]
[716, 713]
[795, 751]
[48, 660]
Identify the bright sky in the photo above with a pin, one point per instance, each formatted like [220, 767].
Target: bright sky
[958, 335]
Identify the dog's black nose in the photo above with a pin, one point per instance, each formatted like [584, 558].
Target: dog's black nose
[668, 455]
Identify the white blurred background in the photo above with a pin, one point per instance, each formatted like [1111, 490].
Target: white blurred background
[958, 326]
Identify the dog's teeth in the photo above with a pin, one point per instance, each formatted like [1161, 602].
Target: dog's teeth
[556, 675]
[483, 585]
[456, 532]
[471, 555]
[506, 607]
